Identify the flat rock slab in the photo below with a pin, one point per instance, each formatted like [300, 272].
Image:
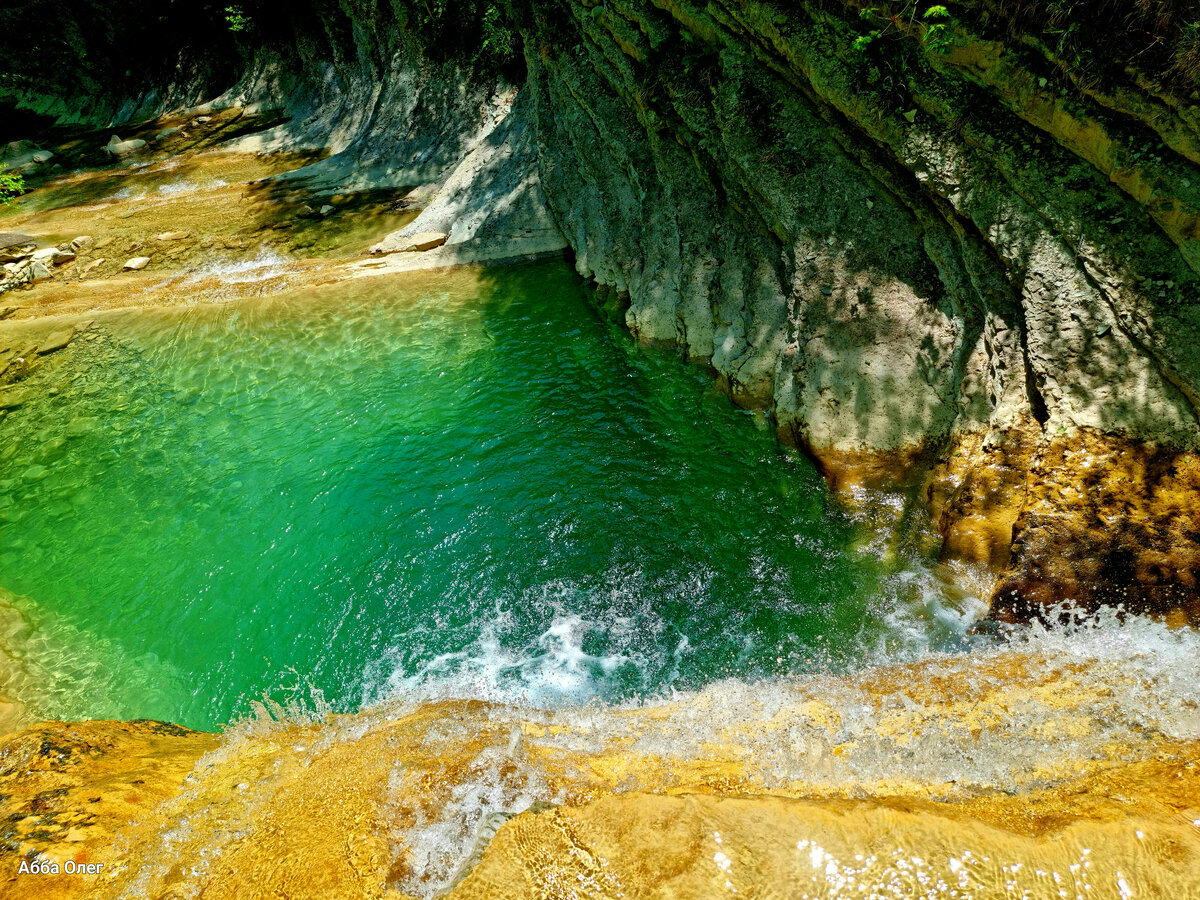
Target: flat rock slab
[57, 341]
[15, 239]
[138, 262]
[168, 236]
[410, 243]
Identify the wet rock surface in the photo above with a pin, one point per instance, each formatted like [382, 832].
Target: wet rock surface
[909, 273]
[788, 787]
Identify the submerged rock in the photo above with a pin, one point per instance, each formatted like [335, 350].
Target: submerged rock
[118, 147]
[56, 341]
[12, 398]
[137, 262]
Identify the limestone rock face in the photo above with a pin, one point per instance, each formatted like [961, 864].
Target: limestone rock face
[943, 270]
[958, 284]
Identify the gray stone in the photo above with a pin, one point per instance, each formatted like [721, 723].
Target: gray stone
[39, 272]
[53, 256]
[118, 147]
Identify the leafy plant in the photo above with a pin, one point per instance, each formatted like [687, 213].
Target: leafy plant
[499, 40]
[236, 18]
[939, 35]
[864, 41]
[480, 29]
[12, 185]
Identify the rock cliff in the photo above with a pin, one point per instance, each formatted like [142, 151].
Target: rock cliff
[943, 264]
[950, 259]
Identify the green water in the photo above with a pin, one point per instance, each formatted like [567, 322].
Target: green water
[470, 485]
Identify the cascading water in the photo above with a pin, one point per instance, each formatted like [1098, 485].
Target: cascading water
[471, 487]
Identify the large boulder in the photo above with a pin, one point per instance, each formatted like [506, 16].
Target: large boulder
[53, 256]
[39, 272]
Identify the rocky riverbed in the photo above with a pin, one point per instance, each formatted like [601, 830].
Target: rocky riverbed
[908, 782]
[944, 257]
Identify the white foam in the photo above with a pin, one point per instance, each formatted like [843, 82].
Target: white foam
[1139, 676]
[551, 671]
[185, 186]
[267, 264]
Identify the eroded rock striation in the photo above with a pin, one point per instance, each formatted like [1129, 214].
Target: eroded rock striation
[950, 269]
[946, 259]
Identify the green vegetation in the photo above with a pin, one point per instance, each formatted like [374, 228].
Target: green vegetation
[1099, 38]
[938, 23]
[1094, 41]
[12, 185]
[938, 32]
[479, 30]
[236, 18]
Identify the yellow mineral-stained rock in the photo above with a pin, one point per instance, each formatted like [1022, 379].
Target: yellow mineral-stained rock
[66, 790]
[1005, 772]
